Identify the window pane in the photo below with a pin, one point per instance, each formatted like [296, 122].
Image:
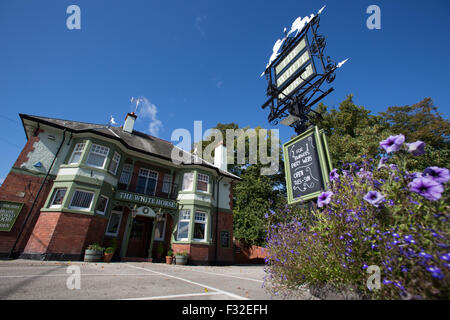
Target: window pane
[183, 228]
[151, 187]
[114, 163]
[126, 174]
[102, 203]
[113, 226]
[77, 151]
[140, 188]
[59, 197]
[97, 156]
[82, 199]
[199, 230]
[166, 183]
[188, 180]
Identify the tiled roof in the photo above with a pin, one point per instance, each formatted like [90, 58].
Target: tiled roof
[136, 141]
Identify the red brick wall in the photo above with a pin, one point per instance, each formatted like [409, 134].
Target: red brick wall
[65, 233]
[22, 188]
[245, 254]
[29, 147]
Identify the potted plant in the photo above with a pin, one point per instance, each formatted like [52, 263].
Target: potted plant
[109, 252]
[159, 251]
[169, 257]
[94, 253]
[181, 257]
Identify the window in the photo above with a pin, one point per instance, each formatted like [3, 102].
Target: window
[183, 225]
[188, 181]
[199, 225]
[81, 200]
[114, 223]
[97, 156]
[160, 227]
[102, 205]
[114, 163]
[77, 152]
[125, 177]
[202, 182]
[58, 197]
[166, 183]
[147, 182]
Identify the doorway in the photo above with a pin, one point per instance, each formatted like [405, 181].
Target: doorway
[140, 237]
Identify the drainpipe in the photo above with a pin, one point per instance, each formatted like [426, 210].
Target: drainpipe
[217, 221]
[37, 195]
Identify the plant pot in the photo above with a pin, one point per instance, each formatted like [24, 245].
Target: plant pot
[107, 257]
[169, 259]
[93, 256]
[181, 260]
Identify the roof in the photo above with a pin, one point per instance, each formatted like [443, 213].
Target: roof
[136, 141]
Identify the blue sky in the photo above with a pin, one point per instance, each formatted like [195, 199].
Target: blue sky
[201, 60]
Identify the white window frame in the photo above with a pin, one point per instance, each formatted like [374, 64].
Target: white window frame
[203, 178]
[182, 218]
[120, 213]
[55, 191]
[106, 205]
[82, 208]
[77, 150]
[148, 176]
[116, 154]
[164, 218]
[129, 173]
[202, 221]
[184, 177]
[92, 151]
[167, 183]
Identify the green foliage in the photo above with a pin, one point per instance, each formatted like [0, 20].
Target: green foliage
[95, 246]
[110, 250]
[169, 253]
[182, 253]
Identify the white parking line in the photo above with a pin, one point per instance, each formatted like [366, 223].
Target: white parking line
[83, 275]
[232, 295]
[175, 296]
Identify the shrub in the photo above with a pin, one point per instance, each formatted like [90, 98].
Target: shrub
[182, 253]
[372, 214]
[110, 250]
[170, 253]
[95, 246]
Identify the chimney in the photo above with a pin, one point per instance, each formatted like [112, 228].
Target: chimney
[129, 122]
[220, 156]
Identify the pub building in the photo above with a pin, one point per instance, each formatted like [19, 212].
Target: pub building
[76, 183]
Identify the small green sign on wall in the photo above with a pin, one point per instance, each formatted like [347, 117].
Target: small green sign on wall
[307, 165]
[8, 214]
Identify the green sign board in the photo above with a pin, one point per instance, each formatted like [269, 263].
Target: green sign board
[8, 214]
[307, 165]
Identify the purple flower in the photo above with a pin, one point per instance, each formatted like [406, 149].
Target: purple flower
[334, 175]
[324, 199]
[435, 272]
[410, 239]
[425, 255]
[445, 257]
[382, 163]
[426, 187]
[374, 197]
[416, 148]
[393, 143]
[440, 175]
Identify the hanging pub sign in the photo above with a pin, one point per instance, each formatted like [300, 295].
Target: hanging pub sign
[8, 214]
[307, 165]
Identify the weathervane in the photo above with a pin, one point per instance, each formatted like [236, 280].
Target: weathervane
[296, 74]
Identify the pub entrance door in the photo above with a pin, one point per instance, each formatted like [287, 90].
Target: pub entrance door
[140, 237]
